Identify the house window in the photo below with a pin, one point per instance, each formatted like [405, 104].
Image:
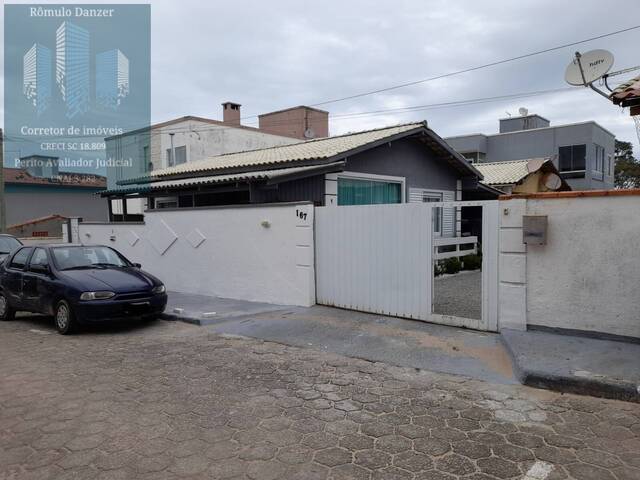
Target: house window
[166, 202]
[357, 191]
[599, 166]
[181, 156]
[437, 211]
[609, 164]
[572, 158]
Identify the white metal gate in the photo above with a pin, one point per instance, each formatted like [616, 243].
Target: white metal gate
[379, 259]
[375, 258]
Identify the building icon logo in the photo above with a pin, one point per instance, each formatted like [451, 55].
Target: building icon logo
[73, 73]
[72, 67]
[112, 78]
[36, 82]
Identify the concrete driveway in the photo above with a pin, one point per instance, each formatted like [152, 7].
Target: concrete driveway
[396, 341]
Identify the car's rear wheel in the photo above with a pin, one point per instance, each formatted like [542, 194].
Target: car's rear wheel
[6, 311]
[65, 321]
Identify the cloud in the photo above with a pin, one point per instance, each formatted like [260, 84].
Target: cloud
[271, 55]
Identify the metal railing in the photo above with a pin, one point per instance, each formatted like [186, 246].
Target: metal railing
[456, 242]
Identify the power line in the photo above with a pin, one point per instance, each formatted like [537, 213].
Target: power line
[470, 69]
[459, 103]
[336, 117]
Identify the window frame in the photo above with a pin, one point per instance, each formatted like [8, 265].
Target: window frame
[373, 178]
[30, 264]
[599, 170]
[26, 262]
[573, 170]
[171, 162]
[437, 213]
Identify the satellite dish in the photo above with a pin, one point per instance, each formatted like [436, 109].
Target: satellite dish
[523, 111]
[595, 64]
[552, 181]
[309, 133]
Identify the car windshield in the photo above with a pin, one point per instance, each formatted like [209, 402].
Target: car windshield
[68, 258]
[7, 244]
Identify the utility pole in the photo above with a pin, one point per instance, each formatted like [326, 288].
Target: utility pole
[3, 208]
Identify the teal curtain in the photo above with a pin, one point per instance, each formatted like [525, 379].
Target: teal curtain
[367, 192]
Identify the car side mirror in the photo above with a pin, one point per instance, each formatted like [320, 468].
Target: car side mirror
[137, 265]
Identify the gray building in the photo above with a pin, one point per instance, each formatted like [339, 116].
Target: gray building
[29, 197]
[582, 152]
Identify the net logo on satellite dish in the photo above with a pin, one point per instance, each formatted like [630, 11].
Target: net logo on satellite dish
[588, 67]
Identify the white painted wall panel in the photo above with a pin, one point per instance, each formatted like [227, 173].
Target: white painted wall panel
[375, 258]
[587, 276]
[238, 258]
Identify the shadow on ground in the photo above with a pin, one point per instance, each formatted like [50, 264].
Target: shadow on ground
[44, 324]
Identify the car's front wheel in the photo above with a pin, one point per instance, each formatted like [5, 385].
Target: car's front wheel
[6, 311]
[65, 321]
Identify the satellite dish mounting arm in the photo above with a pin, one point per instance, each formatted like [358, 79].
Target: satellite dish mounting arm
[590, 85]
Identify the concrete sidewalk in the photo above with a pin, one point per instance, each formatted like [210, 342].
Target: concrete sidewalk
[567, 363]
[204, 310]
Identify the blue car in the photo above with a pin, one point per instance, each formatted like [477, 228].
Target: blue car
[8, 243]
[77, 284]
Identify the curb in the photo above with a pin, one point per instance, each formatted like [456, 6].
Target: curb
[172, 317]
[624, 391]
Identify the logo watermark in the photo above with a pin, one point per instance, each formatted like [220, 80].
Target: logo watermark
[77, 79]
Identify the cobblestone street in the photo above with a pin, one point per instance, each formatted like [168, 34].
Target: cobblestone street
[168, 401]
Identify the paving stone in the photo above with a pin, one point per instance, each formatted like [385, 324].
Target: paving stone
[393, 444]
[377, 429]
[455, 464]
[589, 472]
[498, 467]
[511, 452]
[356, 442]
[332, 457]
[432, 446]
[295, 455]
[372, 459]
[190, 465]
[349, 472]
[264, 451]
[471, 449]
[169, 401]
[263, 470]
[413, 461]
[153, 464]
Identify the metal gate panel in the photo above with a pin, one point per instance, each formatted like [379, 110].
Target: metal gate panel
[375, 258]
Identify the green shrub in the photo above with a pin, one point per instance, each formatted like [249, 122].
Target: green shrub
[451, 265]
[472, 262]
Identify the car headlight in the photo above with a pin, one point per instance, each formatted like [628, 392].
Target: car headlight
[96, 295]
[159, 289]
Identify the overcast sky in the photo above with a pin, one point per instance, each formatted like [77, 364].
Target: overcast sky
[269, 55]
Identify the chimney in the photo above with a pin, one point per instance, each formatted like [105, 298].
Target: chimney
[231, 113]
[302, 122]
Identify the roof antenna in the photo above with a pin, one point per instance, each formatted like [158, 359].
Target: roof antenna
[508, 114]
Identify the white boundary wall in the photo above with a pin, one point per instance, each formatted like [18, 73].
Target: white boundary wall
[260, 253]
[587, 276]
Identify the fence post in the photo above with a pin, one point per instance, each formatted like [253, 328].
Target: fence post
[71, 230]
